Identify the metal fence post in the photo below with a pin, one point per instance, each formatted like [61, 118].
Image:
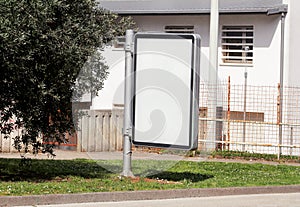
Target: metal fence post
[228, 115]
[279, 119]
[245, 110]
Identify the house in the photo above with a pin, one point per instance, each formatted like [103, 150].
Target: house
[257, 48]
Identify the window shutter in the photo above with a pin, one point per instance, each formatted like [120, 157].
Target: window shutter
[237, 45]
[179, 29]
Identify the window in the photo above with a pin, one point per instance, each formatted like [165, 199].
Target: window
[237, 45]
[179, 29]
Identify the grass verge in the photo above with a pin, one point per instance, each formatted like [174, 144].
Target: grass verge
[82, 176]
[254, 156]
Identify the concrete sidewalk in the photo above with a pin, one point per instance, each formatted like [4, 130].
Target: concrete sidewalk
[136, 155]
[68, 155]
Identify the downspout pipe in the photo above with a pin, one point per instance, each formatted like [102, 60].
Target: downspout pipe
[281, 82]
[282, 10]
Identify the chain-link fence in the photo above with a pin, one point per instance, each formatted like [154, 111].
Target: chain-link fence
[261, 119]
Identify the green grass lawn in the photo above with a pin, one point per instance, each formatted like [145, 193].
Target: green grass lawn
[79, 176]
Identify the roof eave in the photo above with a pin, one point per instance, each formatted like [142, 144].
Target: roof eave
[278, 10]
[206, 12]
[269, 11]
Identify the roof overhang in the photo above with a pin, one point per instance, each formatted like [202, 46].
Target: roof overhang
[165, 7]
[278, 10]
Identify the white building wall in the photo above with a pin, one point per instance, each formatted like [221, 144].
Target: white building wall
[113, 90]
[292, 43]
[292, 75]
[266, 54]
[157, 23]
[265, 70]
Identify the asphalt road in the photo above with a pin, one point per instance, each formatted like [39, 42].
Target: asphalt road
[262, 200]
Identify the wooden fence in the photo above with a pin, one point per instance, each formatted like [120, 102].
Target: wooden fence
[6, 145]
[100, 131]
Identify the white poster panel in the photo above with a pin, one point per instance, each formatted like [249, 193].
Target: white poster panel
[166, 83]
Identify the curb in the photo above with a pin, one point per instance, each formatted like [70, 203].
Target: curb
[141, 195]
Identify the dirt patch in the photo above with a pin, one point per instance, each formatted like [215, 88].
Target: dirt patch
[149, 180]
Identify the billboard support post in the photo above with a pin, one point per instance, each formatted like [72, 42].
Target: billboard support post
[127, 127]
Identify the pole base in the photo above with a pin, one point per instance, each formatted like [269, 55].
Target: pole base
[127, 173]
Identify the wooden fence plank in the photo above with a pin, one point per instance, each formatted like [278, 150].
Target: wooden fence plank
[85, 133]
[92, 127]
[79, 136]
[113, 131]
[98, 131]
[105, 132]
[120, 130]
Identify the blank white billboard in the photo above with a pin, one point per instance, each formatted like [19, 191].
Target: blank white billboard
[166, 88]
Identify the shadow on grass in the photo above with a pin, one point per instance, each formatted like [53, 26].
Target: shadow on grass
[112, 167]
[181, 176]
[156, 170]
[49, 170]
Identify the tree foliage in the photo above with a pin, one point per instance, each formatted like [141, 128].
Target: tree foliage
[44, 44]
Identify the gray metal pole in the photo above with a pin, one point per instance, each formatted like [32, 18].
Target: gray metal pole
[127, 127]
[281, 82]
[245, 98]
[245, 108]
[291, 142]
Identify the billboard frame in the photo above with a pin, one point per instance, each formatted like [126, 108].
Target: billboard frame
[194, 89]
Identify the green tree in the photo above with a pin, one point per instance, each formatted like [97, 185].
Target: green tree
[44, 44]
